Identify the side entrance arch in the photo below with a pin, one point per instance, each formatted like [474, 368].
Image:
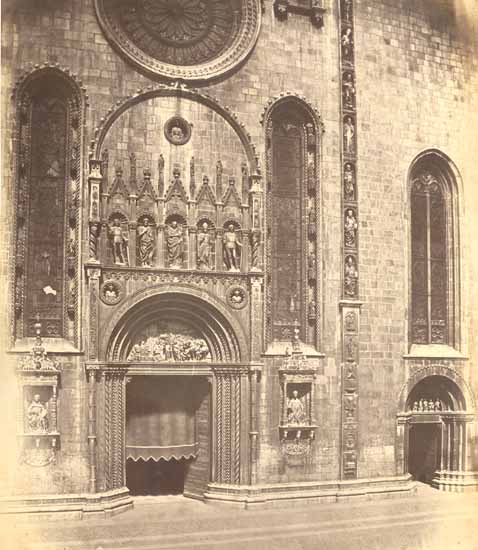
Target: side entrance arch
[434, 429]
[171, 399]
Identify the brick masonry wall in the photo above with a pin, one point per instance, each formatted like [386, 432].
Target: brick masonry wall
[416, 89]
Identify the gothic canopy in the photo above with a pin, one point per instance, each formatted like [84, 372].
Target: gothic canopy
[182, 39]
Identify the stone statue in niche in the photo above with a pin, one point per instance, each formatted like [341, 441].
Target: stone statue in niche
[349, 133]
[348, 91]
[175, 244]
[93, 241]
[37, 415]
[312, 267]
[312, 222]
[347, 10]
[349, 183]
[255, 245]
[346, 42]
[205, 243]
[295, 410]
[232, 249]
[351, 276]
[145, 243]
[350, 229]
[119, 242]
[312, 309]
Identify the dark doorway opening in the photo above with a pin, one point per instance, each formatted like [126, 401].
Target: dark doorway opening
[424, 450]
[162, 477]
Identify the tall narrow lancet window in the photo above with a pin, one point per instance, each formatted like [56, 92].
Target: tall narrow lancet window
[434, 261]
[48, 179]
[292, 213]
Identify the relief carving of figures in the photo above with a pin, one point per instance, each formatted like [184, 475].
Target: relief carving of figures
[119, 243]
[37, 415]
[255, 245]
[350, 229]
[205, 242]
[348, 91]
[145, 243]
[351, 277]
[232, 249]
[170, 347]
[349, 133]
[351, 322]
[312, 222]
[346, 41]
[295, 410]
[349, 183]
[175, 244]
[312, 309]
[312, 267]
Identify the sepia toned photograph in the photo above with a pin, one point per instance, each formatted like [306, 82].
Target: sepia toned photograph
[239, 275]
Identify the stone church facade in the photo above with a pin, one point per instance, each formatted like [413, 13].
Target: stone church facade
[238, 256]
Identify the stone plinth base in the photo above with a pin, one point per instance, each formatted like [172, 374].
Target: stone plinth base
[286, 494]
[455, 481]
[70, 506]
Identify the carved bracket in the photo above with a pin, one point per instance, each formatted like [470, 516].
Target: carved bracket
[314, 10]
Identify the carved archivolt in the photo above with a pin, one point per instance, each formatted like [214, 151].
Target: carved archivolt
[184, 39]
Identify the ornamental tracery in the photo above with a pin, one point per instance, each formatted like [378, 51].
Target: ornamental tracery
[187, 39]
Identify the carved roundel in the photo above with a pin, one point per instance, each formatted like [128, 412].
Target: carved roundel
[185, 39]
[177, 130]
[111, 292]
[237, 297]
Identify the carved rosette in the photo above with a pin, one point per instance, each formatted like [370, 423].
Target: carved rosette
[350, 309]
[111, 292]
[236, 297]
[185, 39]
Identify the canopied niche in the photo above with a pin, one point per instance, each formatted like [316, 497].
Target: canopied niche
[48, 175]
[179, 161]
[292, 134]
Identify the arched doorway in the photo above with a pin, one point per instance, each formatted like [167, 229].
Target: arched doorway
[435, 424]
[171, 408]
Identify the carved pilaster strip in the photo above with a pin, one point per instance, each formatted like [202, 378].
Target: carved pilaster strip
[107, 430]
[350, 307]
[93, 275]
[92, 427]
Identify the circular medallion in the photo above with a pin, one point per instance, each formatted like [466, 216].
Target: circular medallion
[177, 130]
[111, 292]
[237, 297]
[185, 39]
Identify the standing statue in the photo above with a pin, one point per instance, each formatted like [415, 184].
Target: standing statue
[312, 267]
[232, 249]
[174, 244]
[349, 185]
[350, 278]
[295, 409]
[255, 244]
[119, 243]
[350, 229]
[346, 41]
[146, 243]
[204, 247]
[349, 132]
[37, 415]
[348, 90]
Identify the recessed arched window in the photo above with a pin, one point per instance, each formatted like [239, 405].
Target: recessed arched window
[434, 252]
[48, 174]
[292, 134]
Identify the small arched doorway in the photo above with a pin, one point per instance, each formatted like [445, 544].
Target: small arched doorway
[435, 434]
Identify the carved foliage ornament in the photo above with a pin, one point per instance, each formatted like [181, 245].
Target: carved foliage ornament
[186, 39]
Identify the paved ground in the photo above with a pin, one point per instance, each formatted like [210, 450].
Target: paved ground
[427, 521]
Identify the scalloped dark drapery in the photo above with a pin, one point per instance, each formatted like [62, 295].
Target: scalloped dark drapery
[160, 418]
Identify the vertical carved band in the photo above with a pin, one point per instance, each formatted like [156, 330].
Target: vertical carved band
[114, 418]
[228, 428]
[350, 310]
